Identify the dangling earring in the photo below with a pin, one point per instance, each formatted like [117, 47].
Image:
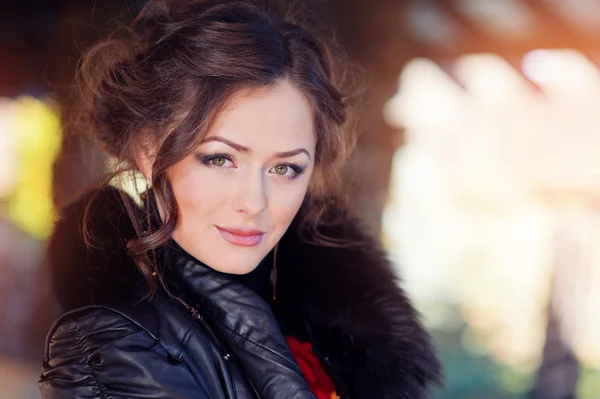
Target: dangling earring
[144, 199]
[144, 194]
[274, 272]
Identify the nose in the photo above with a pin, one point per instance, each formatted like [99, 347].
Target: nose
[250, 197]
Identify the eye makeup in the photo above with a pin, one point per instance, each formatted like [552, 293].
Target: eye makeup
[208, 159]
[218, 160]
[298, 170]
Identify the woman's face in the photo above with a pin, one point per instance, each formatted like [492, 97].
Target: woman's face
[239, 191]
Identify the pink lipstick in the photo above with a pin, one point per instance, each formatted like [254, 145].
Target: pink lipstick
[241, 236]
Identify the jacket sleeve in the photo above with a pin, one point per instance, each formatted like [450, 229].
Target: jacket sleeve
[101, 354]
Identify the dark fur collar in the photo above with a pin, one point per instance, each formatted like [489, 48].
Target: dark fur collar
[349, 295]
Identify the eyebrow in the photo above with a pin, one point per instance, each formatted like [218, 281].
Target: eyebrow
[242, 149]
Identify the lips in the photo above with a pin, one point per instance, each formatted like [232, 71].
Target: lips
[242, 237]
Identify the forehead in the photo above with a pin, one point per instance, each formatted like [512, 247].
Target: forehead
[278, 117]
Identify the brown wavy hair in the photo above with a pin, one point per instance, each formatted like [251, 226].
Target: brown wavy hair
[165, 79]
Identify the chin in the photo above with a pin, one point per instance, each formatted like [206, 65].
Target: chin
[238, 263]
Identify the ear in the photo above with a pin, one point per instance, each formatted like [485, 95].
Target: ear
[144, 154]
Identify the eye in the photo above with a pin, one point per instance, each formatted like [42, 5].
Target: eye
[288, 171]
[216, 160]
[281, 169]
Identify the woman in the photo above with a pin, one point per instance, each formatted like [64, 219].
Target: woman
[238, 274]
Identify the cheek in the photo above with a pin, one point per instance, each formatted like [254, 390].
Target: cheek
[197, 191]
[285, 202]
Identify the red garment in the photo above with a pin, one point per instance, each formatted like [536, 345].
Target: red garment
[318, 381]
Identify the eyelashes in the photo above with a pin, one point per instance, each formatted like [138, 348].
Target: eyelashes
[219, 161]
[209, 159]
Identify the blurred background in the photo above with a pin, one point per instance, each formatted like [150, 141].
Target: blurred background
[477, 165]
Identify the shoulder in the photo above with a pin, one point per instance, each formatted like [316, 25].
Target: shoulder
[84, 338]
[82, 342]
[99, 351]
[158, 322]
[96, 325]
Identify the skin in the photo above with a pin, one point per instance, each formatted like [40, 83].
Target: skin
[239, 178]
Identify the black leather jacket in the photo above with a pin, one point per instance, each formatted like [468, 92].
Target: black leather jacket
[214, 337]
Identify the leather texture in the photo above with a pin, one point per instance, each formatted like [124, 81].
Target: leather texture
[113, 341]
